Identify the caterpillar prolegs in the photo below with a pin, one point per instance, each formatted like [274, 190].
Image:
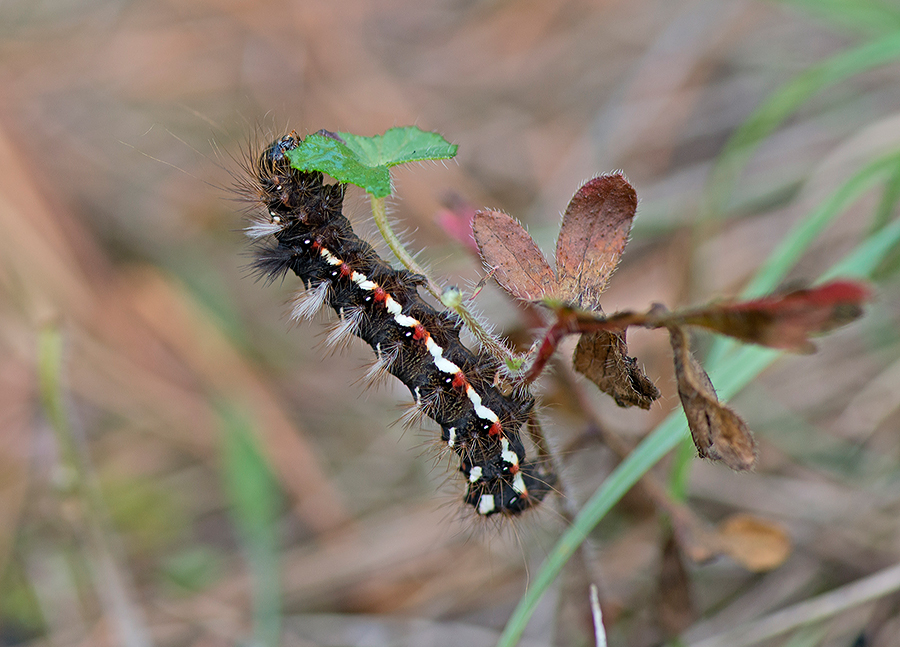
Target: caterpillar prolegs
[309, 235]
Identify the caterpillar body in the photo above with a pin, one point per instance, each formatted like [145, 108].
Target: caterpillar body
[307, 234]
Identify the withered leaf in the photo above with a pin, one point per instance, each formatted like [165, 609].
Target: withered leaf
[520, 267]
[718, 432]
[786, 320]
[603, 358]
[592, 237]
[756, 544]
[676, 611]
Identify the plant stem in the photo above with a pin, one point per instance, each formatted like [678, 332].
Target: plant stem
[379, 213]
[452, 299]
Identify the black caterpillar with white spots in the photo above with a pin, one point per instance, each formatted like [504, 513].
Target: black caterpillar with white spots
[307, 234]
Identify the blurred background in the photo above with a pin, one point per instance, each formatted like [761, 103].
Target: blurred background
[179, 465]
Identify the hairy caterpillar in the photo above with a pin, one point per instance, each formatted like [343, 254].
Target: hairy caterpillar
[307, 234]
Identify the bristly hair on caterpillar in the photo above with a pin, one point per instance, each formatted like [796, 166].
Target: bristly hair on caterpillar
[345, 328]
[308, 302]
[379, 369]
[305, 232]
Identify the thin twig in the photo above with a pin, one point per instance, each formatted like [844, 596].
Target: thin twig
[599, 631]
[812, 610]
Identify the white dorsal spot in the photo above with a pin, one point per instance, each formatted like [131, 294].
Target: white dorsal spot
[507, 454]
[486, 504]
[518, 484]
[396, 311]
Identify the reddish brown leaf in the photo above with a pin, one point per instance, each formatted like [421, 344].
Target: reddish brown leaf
[718, 432]
[594, 231]
[603, 358]
[787, 320]
[521, 268]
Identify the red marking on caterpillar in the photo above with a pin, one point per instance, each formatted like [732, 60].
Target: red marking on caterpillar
[308, 235]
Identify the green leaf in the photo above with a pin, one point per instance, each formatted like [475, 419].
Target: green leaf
[328, 155]
[365, 161]
[399, 146]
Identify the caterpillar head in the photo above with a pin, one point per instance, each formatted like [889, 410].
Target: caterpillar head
[291, 195]
[278, 182]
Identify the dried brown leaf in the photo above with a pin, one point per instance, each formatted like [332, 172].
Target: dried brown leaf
[520, 267]
[592, 237]
[756, 544]
[718, 432]
[676, 611]
[603, 358]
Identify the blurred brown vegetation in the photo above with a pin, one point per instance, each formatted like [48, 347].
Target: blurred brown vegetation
[121, 124]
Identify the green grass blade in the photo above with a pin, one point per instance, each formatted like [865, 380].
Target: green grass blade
[799, 239]
[680, 473]
[789, 251]
[111, 579]
[656, 445]
[733, 373]
[889, 200]
[50, 354]
[867, 15]
[780, 105]
[255, 501]
[865, 259]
